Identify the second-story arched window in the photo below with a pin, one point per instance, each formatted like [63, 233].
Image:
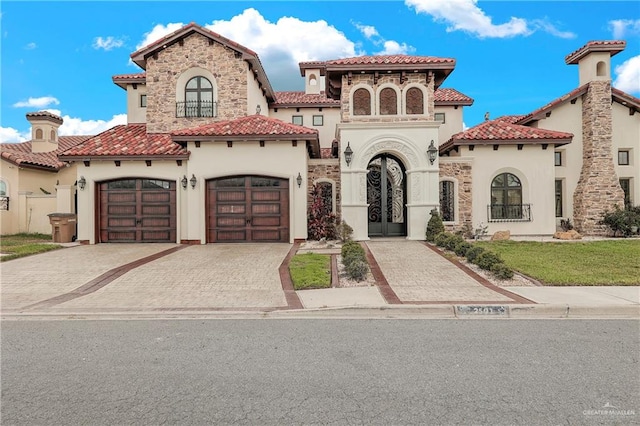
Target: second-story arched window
[361, 102]
[198, 96]
[415, 101]
[388, 101]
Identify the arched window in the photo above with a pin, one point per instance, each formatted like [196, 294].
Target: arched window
[313, 80]
[39, 133]
[447, 201]
[601, 69]
[506, 197]
[198, 96]
[361, 102]
[388, 101]
[3, 189]
[415, 101]
[53, 136]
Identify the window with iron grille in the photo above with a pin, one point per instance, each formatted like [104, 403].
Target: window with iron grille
[626, 187]
[447, 201]
[198, 99]
[361, 102]
[559, 198]
[506, 197]
[415, 101]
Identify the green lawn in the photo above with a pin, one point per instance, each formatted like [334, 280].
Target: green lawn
[310, 270]
[609, 262]
[20, 245]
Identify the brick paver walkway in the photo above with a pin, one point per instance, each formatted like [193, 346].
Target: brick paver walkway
[417, 274]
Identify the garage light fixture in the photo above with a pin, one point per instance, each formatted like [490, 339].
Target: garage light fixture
[432, 152]
[184, 182]
[82, 183]
[193, 181]
[348, 154]
[299, 180]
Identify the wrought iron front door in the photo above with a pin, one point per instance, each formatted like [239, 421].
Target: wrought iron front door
[386, 196]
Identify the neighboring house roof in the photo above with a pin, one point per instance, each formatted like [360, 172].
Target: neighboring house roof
[20, 153]
[612, 46]
[293, 99]
[617, 95]
[129, 141]
[501, 132]
[252, 127]
[446, 96]
[140, 56]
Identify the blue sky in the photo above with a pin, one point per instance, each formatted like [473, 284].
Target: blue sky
[60, 56]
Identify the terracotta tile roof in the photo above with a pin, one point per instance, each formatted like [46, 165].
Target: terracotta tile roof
[250, 127]
[501, 132]
[612, 46]
[511, 119]
[300, 98]
[391, 59]
[46, 115]
[20, 153]
[625, 99]
[540, 112]
[127, 141]
[135, 76]
[446, 96]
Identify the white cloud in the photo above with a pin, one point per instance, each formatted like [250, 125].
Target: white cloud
[367, 30]
[41, 102]
[107, 43]
[394, 48]
[9, 134]
[628, 75]
[624, 27]
[31, 46]
[158, 32]
[465, 15]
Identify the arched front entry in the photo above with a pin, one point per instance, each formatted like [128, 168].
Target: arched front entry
[247, 209]
[386, 197]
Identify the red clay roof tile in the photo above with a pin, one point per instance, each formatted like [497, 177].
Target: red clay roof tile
[130, 140]
[447, 96]
[612, 46]
[21, 155]
[301, 98]
[390, 59]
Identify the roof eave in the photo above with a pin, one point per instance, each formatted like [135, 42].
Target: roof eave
[453, 103]
[243, 138]
[72, 158]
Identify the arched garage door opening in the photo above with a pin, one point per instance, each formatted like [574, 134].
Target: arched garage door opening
[247, 209]
[137, 210]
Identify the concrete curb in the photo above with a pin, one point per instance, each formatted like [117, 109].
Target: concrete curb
[435, 311]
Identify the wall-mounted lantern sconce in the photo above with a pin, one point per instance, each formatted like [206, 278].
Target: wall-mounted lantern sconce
[299, 180]
[193, 181]
[432, 152]
[82, 183]
[348, 154]
[184, 182]
[258, 109]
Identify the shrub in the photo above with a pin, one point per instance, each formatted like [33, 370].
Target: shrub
[352, 252]
[566, 224]
[345, 232]
[473, 253]
[501, 271]
[487, 259]
[461, 248]
[357, 270]
[453, 241]
[622, 222]
[434, 226]
[440, 239]
[321, 221]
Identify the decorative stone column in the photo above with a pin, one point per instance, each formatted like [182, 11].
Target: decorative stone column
[598, 188]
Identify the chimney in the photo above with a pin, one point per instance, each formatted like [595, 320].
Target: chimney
[44, 131]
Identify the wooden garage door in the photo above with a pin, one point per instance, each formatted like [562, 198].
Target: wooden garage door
[137, 210]
[247, 208]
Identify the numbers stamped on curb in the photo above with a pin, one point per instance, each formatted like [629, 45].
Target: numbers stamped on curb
[481, 310]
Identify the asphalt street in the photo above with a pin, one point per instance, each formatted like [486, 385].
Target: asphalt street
[320, 372]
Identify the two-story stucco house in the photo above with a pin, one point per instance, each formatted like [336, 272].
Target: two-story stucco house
[211, 153]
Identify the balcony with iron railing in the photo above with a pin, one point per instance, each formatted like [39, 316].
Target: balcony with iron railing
[196, 109]
[509, 213]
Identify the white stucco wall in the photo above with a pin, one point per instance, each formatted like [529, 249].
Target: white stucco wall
[254, 95]
[453, 122]
[326, 132]
[626, 136]
[136, 113]
[534, 167]
[408, 142]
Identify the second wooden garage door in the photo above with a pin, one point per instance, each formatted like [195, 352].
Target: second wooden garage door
[248, 209]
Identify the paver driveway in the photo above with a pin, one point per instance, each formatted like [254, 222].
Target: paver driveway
[194, 277]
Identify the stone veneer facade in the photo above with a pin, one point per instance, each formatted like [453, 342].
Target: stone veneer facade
[163, 72]
[326, 169]
[598, 188]
[393, 79]
[461, 171]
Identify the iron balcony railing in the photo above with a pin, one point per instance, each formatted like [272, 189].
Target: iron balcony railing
[509, 213]
[4, 203]
[196, 109]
